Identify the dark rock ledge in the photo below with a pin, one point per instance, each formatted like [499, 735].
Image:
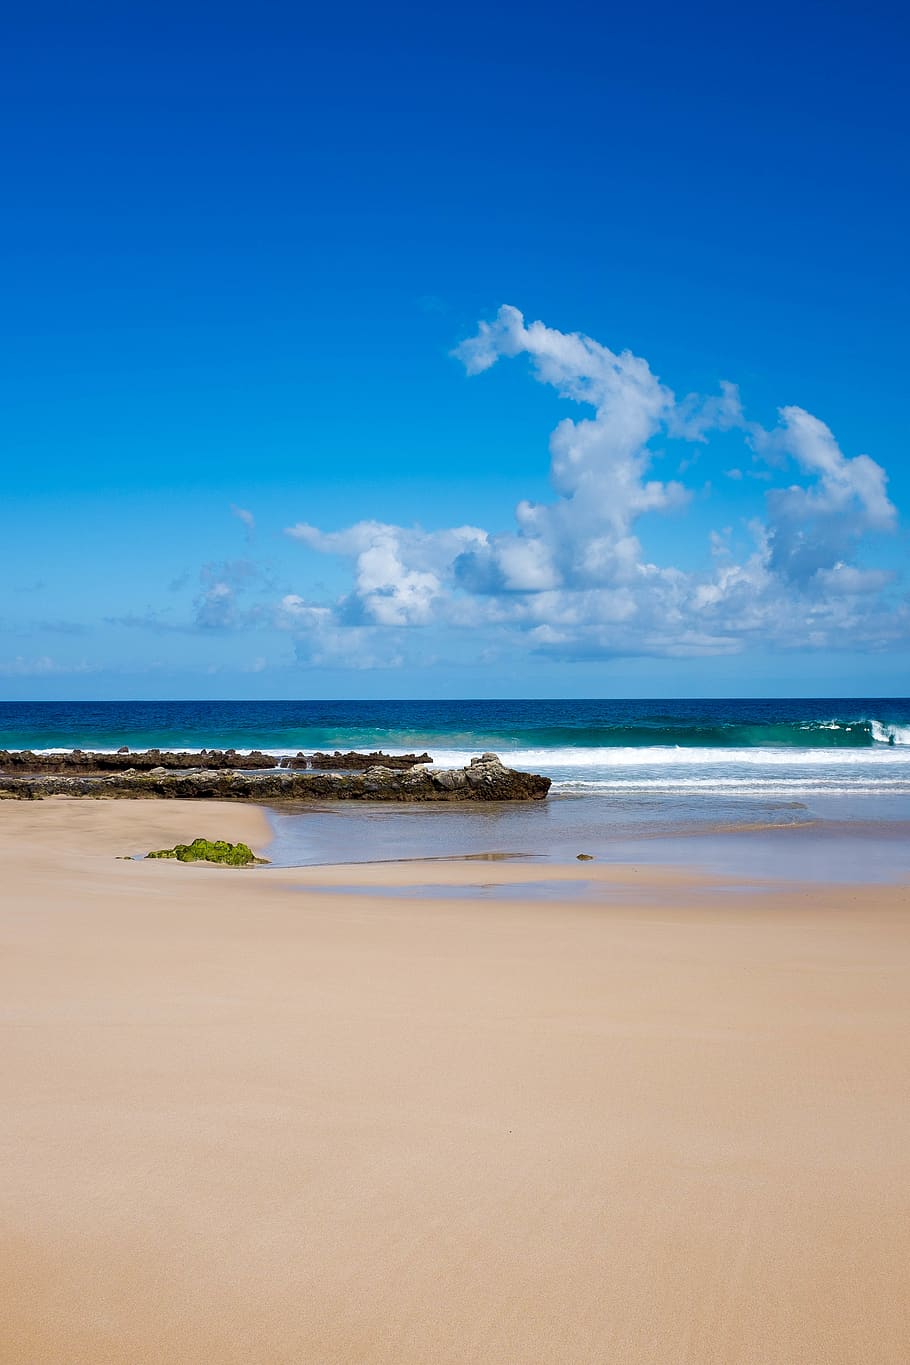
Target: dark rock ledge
[485, 779]
[353, 761]
[85, 763]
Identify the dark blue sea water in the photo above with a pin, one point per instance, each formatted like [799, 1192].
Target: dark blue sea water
[622, 770]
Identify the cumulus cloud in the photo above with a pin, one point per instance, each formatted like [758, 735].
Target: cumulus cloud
[598, 467]
[695, 417]
[296, 614]
[399, 573]
[572, 578]
[814, 527]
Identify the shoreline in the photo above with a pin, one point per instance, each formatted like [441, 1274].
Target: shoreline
[251, 1119]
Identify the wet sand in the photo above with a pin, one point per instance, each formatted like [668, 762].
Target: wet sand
[248, 1121]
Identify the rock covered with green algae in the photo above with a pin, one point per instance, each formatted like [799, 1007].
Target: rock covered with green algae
[210, 851]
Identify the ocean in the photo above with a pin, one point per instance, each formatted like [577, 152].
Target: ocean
[629, 777]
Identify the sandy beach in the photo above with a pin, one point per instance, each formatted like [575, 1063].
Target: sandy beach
[249, 1118]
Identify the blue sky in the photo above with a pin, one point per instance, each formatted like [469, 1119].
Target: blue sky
[257, 380]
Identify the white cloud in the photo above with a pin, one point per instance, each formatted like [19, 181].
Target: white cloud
[694, 417]
[848, 581]
[605, 456]
[813, 528]
[573, 579]
[399, 572]
[296, 614]
[598, 465]
[320, 641]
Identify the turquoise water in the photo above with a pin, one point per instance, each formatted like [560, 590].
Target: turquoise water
[559, 728]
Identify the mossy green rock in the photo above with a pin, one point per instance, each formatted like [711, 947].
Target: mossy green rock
[210, 851]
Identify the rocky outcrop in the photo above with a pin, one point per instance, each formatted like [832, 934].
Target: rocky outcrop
[484, 779]
[87, 762]
[83, 762]
[352, 761]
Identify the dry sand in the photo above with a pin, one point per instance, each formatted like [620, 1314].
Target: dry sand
[245, 1122]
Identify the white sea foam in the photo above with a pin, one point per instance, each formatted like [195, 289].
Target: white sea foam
[888, 739]
[836, 785]
[658, 756]
[892, 735]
